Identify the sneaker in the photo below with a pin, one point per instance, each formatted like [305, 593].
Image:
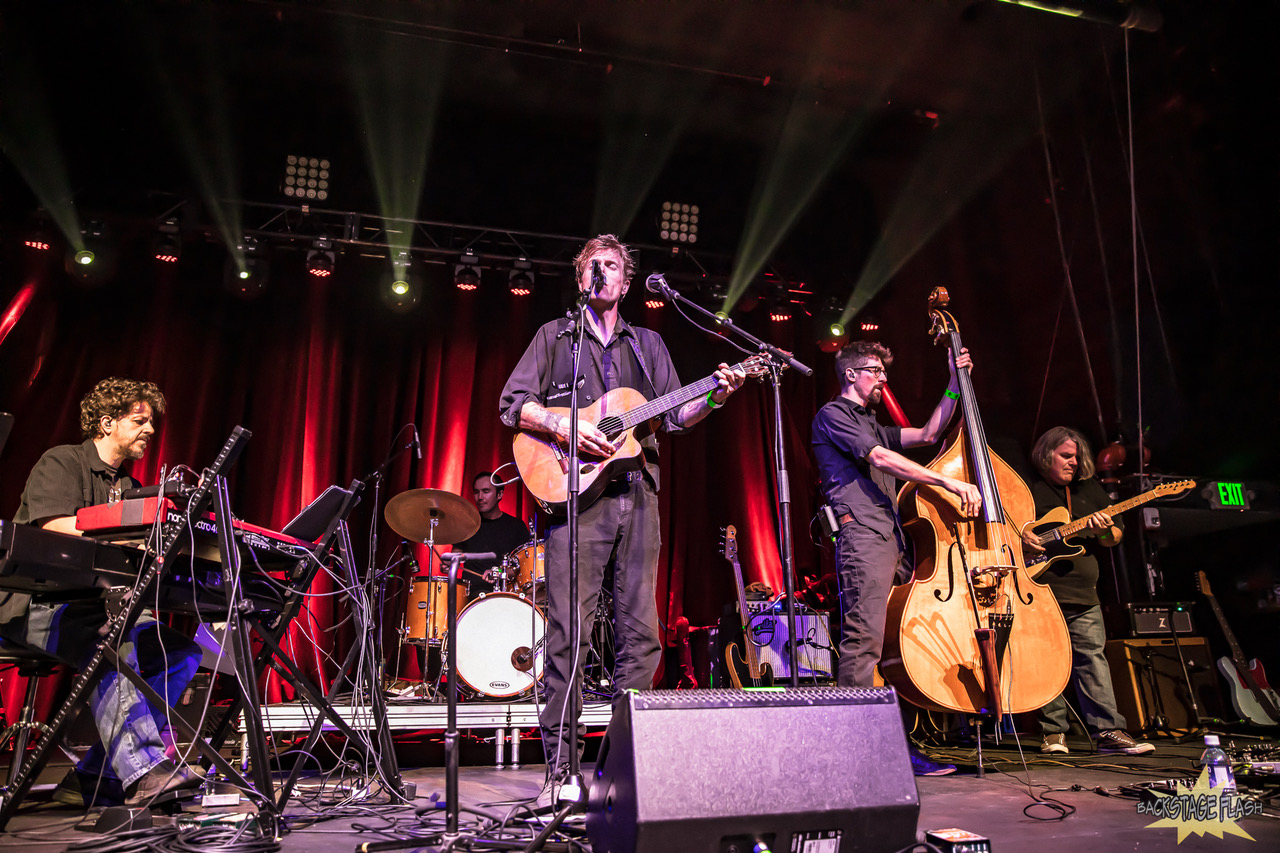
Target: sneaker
[69, 792]
[165, 778]
[1055, 744]
[549, 798]
[1119, 741]
[923, 765]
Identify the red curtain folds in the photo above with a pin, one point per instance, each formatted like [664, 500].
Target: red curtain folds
[324, 376]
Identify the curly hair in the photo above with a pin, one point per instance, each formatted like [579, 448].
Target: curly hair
[1042, 453]
[853, 353]
[599, 243]
[114, 397]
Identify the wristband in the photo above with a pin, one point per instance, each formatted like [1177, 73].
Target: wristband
[711, 403]
[952, 394]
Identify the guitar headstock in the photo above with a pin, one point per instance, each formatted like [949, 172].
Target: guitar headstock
[1202, 583]
[1177, 488]
[729, 543]
[757, 366]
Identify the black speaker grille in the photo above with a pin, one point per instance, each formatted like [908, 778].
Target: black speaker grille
[656, 700]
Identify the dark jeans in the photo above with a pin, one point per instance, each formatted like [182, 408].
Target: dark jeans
[621, 527]
[868, 565]
[1090, 675]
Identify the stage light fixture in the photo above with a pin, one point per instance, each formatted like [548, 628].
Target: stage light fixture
[654, 303]
[306, 178]
[678, 222]
[520, 279]
[829, 332]
[167, 246]
[93, 261]
[780, 315]
[466, 273]
[246, 269]
[320, 258]
[402, 287]
[36, 243]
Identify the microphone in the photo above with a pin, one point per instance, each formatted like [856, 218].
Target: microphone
[412, 560]
[417, 445]
[597, 278]
[656, 284]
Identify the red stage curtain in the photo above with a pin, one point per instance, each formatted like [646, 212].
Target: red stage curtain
[324, 376]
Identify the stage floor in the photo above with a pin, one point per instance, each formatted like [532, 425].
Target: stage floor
[991, 806]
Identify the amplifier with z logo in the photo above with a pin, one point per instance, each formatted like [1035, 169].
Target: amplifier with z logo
[1153, 618]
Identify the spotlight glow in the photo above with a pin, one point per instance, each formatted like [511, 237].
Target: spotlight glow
[399, 288]
[84, 257]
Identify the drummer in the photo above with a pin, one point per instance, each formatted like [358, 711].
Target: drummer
[499, 532]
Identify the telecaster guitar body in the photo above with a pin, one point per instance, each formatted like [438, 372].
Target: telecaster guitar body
[1243, 697]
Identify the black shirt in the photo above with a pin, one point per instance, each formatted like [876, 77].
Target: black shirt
[1074, 581]
[501, 535]
[544, 373]
[843, 434]
[67, 478]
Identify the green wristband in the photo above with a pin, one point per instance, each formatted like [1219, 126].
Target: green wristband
[711, 403]
[952, 394]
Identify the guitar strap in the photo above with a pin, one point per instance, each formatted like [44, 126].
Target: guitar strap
[644, 368]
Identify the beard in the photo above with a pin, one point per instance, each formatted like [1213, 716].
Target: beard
[136, 450]
[874, 397]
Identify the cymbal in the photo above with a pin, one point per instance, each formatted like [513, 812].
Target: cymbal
[410, 514]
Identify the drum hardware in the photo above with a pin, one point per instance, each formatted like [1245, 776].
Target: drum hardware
[431, 517]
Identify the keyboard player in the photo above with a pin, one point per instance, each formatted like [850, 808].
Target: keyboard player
[117, 419]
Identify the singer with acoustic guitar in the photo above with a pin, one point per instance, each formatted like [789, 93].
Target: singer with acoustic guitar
[620, 520]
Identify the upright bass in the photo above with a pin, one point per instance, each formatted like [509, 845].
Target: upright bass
[972, 631]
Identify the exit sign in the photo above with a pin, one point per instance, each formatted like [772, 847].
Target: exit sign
[1229, 496]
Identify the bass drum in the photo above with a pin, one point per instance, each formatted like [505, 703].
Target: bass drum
[500, 645]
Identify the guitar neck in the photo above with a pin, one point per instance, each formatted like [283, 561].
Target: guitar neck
[674, 400]
[1071, 528]
[753, 662]
[1237, 654]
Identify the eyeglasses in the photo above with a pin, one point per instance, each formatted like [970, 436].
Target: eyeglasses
[875, 370]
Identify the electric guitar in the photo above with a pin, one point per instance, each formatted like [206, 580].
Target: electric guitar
[760, 675]
[1055, 527]
[1252, 696]
[625, 417]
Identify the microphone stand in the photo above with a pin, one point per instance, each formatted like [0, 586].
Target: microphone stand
[777, 360]
[572, 787]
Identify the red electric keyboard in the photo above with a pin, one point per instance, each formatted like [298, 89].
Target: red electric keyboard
[56, 565]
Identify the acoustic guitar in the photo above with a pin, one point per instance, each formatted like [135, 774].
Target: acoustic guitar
[1055, 528]
[1252, 696]
[625, 417]
[760, 675]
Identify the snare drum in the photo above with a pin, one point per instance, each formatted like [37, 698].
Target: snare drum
[531, 565]
[500, 645]
[426, 618]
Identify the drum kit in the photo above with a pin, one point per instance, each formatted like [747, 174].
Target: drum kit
[499, 636]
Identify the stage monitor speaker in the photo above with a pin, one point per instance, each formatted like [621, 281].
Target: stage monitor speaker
[805, 769]
[1148, 681]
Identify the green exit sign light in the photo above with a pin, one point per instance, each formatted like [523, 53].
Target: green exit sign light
[1230, 496]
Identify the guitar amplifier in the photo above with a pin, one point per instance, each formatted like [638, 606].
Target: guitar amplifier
[770, 632]
[1155, 618]
[1148, 680]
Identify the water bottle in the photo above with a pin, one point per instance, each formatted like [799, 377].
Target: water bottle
[1220, 775]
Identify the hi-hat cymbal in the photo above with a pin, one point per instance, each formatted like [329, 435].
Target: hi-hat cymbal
[410, 514]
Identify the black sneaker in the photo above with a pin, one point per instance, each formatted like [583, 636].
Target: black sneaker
[923, 765]
[1119, 741]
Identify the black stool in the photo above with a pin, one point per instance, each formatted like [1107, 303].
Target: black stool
[32, 665]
